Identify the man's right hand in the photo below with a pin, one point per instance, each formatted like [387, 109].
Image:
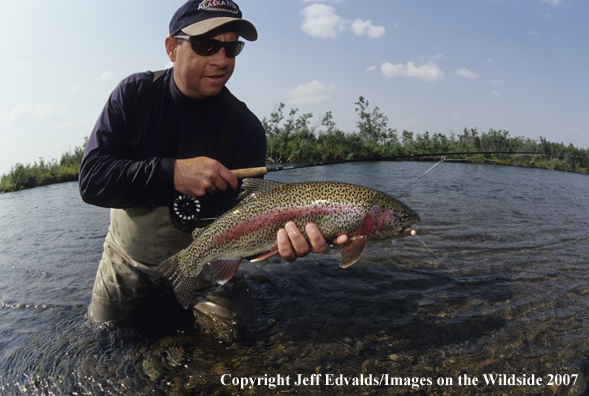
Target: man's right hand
[201, 175]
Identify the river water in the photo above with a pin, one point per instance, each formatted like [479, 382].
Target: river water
[494, 286]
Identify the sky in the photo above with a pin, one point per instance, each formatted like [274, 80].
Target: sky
[429, 65]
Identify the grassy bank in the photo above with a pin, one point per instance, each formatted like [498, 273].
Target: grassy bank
[43, 172]
[527, 161]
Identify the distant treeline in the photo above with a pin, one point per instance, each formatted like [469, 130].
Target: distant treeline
[292, 139]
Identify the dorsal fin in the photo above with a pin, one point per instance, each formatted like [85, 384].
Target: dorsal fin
[254, 187]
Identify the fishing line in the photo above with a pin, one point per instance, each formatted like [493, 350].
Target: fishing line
[443, 159]
[452, 271]
[506, 155]
[438, 257]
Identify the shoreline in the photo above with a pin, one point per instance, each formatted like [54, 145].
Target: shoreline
[468, 160]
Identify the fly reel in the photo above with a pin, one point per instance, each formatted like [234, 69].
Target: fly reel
[186, 210]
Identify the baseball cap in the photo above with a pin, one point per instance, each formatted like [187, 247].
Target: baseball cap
[198, 17]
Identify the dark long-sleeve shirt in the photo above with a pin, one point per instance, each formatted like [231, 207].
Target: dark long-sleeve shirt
[115, 175]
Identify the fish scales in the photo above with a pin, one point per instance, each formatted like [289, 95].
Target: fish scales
[301, 202]
[251, 227]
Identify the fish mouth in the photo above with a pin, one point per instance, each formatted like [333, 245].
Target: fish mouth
[406, 230]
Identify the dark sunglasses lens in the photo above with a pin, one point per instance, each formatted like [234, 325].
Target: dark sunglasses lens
[205, 47]
[208, 47]
[233, 48]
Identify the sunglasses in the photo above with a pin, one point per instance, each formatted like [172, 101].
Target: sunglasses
[208, 46]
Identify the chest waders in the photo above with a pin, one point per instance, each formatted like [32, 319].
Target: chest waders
[140, 238]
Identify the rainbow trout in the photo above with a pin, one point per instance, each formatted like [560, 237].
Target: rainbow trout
[250, 228]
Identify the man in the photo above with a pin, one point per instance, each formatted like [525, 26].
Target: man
[183, 146]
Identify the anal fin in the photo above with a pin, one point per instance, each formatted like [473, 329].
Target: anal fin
[352, 251]
[224, 269]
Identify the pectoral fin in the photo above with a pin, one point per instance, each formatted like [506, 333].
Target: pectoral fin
[224, 269]
[352, 251]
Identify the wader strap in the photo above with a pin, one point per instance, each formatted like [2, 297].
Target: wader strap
[143, 108]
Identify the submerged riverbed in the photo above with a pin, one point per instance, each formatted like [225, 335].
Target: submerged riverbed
[496, 282]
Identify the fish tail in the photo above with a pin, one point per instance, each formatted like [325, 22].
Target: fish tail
[183, 285]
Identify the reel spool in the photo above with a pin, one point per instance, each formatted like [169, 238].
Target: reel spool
[185, 210]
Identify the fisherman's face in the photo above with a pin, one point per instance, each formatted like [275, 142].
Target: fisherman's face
[197, 76]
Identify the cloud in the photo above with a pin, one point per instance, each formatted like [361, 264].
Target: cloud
[438, 56]
[322, 1]
[313, 91]
[533, 33]
[554, 3]
[495, 94]
[497, 82]
[429, 72]
[107, 75]
[371, 68]
[41, 111]
[464, 72]
[574, 130]
[360, 28]
[77, 88]
[320, 20]
[18, 64]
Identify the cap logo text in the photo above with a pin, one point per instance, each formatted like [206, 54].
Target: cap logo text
[219, 5]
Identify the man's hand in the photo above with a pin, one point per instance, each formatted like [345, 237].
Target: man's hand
[201, 175]
[292, 244]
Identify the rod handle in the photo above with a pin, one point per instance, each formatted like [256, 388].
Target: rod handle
[249, 172]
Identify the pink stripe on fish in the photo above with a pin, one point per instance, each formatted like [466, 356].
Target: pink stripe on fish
[278, 216]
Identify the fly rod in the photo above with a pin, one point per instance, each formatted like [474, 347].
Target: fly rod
[260, 171]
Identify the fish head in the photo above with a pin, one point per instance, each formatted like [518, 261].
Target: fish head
[407, 218]
[389, 218]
